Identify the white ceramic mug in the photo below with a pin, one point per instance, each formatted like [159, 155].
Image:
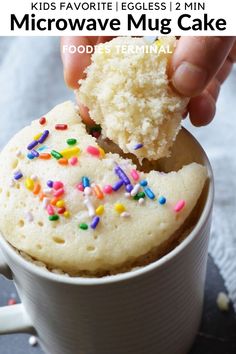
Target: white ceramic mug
[152, 310]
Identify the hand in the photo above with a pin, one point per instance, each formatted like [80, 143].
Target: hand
[75, 64]
[199, 66]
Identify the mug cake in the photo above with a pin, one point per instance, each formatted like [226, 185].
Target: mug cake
[66, 202]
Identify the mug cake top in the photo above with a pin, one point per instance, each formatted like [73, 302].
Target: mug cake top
[129, 93]
[67, 203]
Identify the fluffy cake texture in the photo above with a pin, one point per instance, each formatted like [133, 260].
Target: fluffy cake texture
[66, 238]
[130, 95]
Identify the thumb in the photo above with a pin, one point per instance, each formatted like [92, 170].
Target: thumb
[196, 60]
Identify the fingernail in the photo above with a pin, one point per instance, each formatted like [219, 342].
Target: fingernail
[189, 79]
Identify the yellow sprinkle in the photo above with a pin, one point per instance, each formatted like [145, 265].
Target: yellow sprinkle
[102, 152]
[158, 43]
[29, 183]
[100, 210]
[66, 214]
[38, 136]
[60, 203]
[119, 208]
[70, 152]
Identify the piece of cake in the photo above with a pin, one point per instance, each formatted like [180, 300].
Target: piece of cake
[130, 95]
[67, 203]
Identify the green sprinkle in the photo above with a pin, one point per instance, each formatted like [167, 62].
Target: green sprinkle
[53, 217]
[139, 195]
[56, 154]
[83, 226]
[71, 141]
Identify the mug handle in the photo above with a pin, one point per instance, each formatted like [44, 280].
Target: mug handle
[13, 319]
[4, 269]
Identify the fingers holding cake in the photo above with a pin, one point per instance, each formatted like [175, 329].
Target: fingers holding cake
[199, 66]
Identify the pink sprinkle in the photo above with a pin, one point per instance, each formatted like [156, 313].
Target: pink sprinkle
[107, 189]
[80, 187]
[57, 185]
[50, 210]
[73, 161]
[59, 192]
[92, 150]
[179, 206]
[135, 175]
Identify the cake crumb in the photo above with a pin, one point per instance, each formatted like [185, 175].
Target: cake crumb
[223, 301]
[33, 341]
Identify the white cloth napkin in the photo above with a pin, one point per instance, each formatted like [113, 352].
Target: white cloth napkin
[31, 81]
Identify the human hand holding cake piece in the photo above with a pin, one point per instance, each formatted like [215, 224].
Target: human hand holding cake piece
[130, 95]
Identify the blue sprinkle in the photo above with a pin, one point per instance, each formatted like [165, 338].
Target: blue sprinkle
[118, 185]
[85, 182]
[18, 175]
[138, 146]
[149, 193]
[94, 222]
[30, 156]
[129, 188]
[143, 183]
[34, 153]
[122, 175]
[162, 200]
[50, 184]
[32, 145]
[41, 148]
[43, 136]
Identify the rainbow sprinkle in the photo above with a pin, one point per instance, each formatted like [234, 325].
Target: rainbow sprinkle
[32, 145]
[95, 222]
[18, 175]
[179, 206]
[121, 174]
[117, 185]
[70, 152]
[56, 154]
[52, 195]
[119, 208]
[162, 200]
[83, 226]
[85, 182]
[134, 175]
[107, 189]
[97, 191]
[138, 146]
[42, 120]
[71, 141]
[100, 210]
[54, 217]
[149, 193]
[92, 150]
[61, 126]
[43, 137]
